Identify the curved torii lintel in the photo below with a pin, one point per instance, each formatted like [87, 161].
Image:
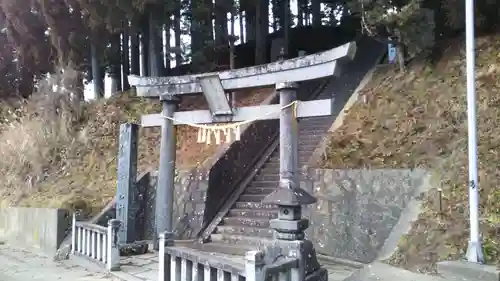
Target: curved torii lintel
[304, 68]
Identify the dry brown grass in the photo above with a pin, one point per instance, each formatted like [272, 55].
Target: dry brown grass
[419, 119]
[56, 153]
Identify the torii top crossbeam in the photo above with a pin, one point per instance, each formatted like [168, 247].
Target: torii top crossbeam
[293, 70]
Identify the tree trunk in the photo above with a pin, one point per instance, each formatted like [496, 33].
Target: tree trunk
[135, 53]
[316, 12]
[201, 33]
[242, 27]
[167, 49]
[97, 80]
[221, 32]
[300, 13]
[79, 90]
[262, 32]
[232, 95]
[155, 51]
[287, 24]
[144, 47]
[276, 15]
[115, 62]
[177, 31]
[125, 56]
[439, 27]
[24, 85]
[231, 42]
[251, 22]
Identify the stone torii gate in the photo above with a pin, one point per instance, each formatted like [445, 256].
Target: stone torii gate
[289, 197]
[283, 74]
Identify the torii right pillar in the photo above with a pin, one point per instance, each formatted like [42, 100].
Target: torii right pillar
[289, 227]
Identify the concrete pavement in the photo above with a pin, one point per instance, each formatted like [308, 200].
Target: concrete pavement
[20, 265]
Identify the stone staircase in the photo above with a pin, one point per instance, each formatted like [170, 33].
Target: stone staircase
[245, 224]
[248, 220]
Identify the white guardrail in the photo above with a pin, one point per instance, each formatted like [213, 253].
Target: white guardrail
[97, 243]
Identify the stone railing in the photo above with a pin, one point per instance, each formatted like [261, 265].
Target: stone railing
[286, 269]
[97, 243]
[186, 264]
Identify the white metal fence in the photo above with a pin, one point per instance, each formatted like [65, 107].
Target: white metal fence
[97, 243]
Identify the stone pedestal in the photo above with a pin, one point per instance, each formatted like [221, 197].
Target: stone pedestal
[289, 230]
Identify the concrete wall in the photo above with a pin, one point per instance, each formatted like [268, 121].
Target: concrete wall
[38, 229]
[358, 209]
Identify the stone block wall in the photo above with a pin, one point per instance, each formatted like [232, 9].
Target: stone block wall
[189, 203]
[355, 213]
[357, 209]
[189, 206]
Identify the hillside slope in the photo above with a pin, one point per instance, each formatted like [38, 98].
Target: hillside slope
[419, 119]
[57, 154]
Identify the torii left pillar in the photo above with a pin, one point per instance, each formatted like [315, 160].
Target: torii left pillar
[166, 172]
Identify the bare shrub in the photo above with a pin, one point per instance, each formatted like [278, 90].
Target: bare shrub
[37, 136]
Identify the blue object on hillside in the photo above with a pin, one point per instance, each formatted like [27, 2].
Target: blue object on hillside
[391, 52]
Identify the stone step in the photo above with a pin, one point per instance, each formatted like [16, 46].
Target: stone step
[308, 142]
[310, 126]
[308, 136]
[274, 159]
[245, 230]
[246, 221]
[271, 165]
[222, 248]
[252, 205]
[318, 132]
[314, 119]
[273, 169]
[264, 213]
[263, 184]
[302, 158]
[252, 197]
[305, 154]
[260, 190]
[311, 146]
[258, 242]
[308, 147]
[267, 177]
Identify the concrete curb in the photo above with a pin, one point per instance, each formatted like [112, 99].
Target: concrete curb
[465, 271]
[349, 263]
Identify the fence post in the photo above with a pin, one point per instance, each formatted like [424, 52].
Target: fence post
[73, 234]
[254, 266]
[163, 260]
[113, 246]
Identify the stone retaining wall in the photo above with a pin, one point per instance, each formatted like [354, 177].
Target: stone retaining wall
[358, 209]
[355, 213]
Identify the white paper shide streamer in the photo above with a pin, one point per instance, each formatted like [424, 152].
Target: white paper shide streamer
[219, 133]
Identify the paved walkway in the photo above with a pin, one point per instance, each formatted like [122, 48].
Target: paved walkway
[20, 265]
[138, 268]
